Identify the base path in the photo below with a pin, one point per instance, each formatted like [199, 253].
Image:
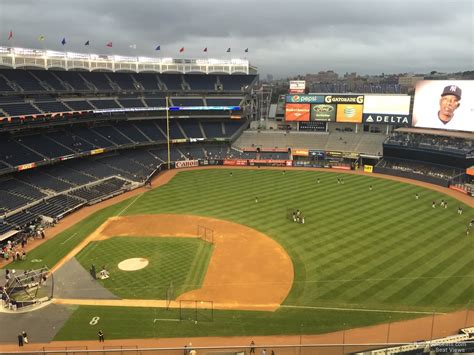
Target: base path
[235, 272]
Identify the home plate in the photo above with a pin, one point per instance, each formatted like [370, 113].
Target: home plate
[133, 264]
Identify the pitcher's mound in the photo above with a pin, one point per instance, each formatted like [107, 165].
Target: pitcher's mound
[133, 264]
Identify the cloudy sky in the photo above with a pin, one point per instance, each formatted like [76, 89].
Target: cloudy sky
[284, 38]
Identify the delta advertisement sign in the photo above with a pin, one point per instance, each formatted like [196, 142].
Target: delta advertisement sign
[387, 109]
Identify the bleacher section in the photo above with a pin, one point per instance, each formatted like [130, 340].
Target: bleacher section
[79, 105]
[369, 143]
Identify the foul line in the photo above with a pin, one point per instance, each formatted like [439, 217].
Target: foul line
[72, 236]
[165, 319]
[360, 309]
[130, 204]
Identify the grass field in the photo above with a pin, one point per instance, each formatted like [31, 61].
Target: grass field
[174, 263]
[378, 249]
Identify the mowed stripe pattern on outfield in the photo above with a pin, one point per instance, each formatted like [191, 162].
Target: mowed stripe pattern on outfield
[361, 247]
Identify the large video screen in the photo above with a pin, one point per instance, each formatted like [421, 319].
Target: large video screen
[444, 104]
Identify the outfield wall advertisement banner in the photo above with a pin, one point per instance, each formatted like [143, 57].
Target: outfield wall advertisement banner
[349, 113]
[186, 164]
[444, 104]
[387, 109]
[305, 99]
[323, 112]
[297, 112]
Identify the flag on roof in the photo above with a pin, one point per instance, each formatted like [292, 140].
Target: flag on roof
[41, 38]
[63, 42]
[10, 35]
[87, 43]
[158, 47]
[205, 50]
[109, 45]
[181, 50]
[228, 50]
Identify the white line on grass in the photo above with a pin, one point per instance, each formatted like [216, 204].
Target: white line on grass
[165, 319]
[359, 309]
[130, 204]
[72, 236]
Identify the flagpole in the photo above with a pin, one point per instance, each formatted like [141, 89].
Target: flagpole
[168, 130]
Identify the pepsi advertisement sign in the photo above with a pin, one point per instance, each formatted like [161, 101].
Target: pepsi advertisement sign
[307, 99]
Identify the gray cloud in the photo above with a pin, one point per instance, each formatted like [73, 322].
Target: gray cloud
[284, 37]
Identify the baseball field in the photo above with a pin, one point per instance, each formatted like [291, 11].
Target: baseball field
[367, 253]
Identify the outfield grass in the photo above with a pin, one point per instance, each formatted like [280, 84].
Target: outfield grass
[179, 264]
[377, 249]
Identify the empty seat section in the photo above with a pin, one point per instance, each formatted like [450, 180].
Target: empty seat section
[72, 141]
[124, 80]
[162, 153]
[155, 102]
[192, 152]
[172, 81]
[175, 132]
[191, 128]
[201, 82]
[21, 219]
[49, 79]
[93, 168]
[91, 137]
[73, 79]
[129, 130]
[20, 109]
[73, 177]
[104, 104]
[52, 106]
[98, 79]
[187, 101]
[10, 202]
[131, 103]
[45, 146]
[151, 130]
[214, 101]
[123, 164]
[112, 134]
[15, 154]
[79, 105]
[213, 129]
[4, 87]
[149, 81]
[231, 127]
[235, 82]
[23, 78]
[20, 188]
[44, 181]
[144, 158]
